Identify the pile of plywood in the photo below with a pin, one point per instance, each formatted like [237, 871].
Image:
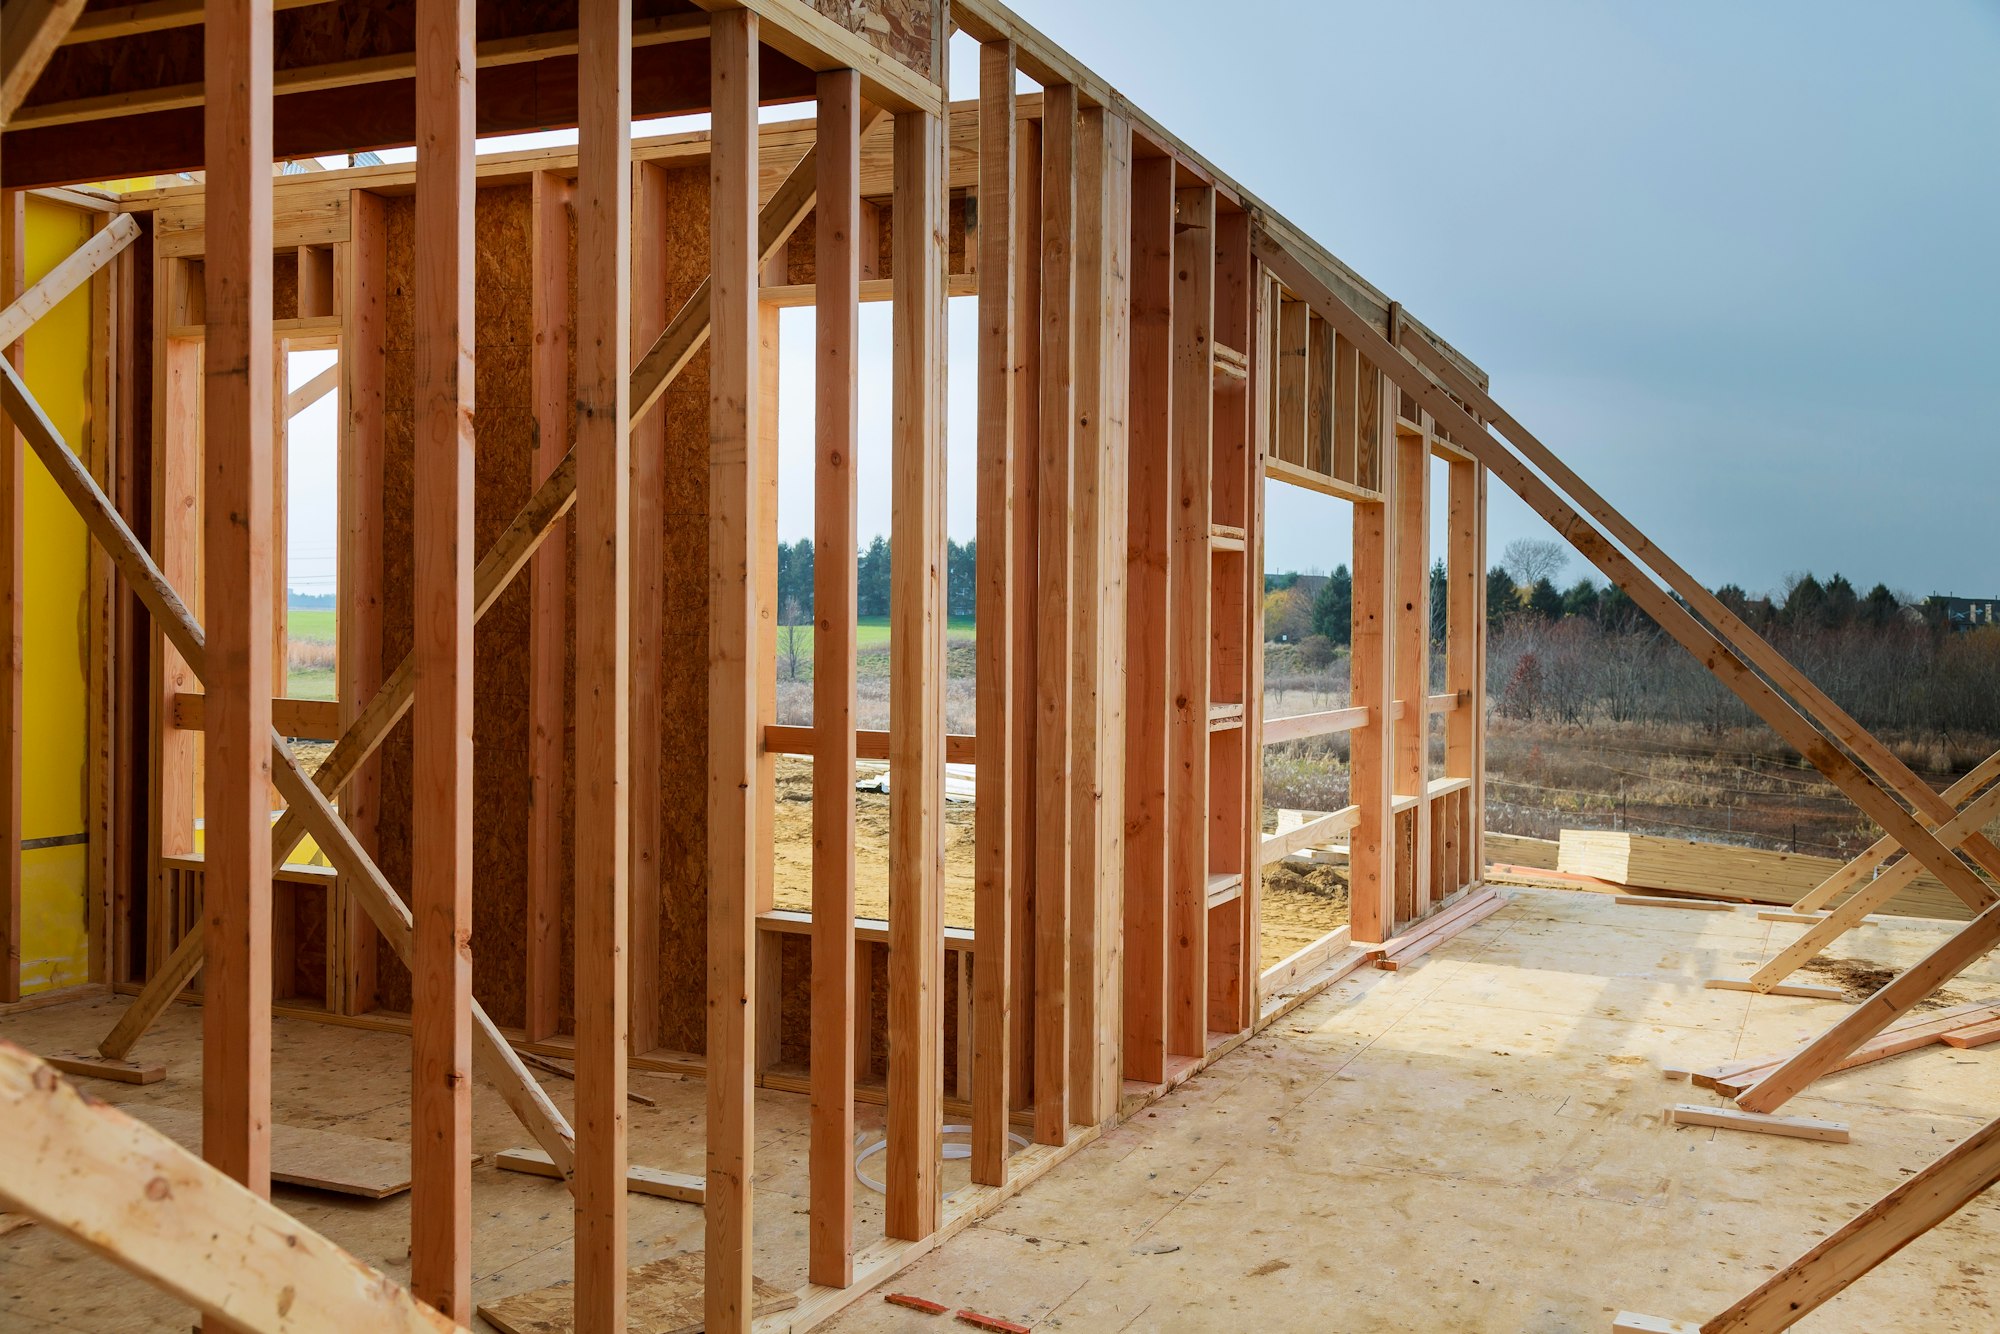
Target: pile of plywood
[1685, 866]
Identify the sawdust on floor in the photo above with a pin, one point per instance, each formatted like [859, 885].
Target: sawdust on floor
[1860, 979]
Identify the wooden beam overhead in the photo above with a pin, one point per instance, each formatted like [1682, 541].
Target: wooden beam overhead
[30, 32]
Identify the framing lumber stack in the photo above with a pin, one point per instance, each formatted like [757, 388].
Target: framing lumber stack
[1715, 870]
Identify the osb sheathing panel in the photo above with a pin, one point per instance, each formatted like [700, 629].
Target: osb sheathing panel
[910, 31]
[683, 812]
[504, 434]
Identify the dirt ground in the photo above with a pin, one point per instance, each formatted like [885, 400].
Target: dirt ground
[1301, 904]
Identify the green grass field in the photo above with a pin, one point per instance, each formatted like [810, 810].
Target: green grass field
[871, 634]
[314, 624]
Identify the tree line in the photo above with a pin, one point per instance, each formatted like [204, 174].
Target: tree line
[871, 580]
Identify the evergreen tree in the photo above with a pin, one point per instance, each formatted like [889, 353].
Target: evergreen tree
[1544, 601]
[1581, 599]
[1440, 602]
[1502, 598]
[871, 581]
[1842, 603]
[1333, 610]
[1879, 609]
[1805, 603]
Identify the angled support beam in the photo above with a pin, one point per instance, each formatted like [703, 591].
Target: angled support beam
[72, 273]
[1699, 639]
[122, 1189]
[312, 391]
[510, 553]
[1722, 624]
[1870, 897]
[309, 808]
[1961, 1175]
[1667, 612]
[1885, 847]
[30, 32]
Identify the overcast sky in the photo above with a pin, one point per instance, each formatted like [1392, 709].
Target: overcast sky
[1734, 262]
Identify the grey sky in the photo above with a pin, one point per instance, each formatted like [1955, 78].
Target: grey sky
[1734, 262]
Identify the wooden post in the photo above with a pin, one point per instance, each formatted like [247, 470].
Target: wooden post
[236, 570]
[1372, 845]
[1054, 526]
[1232, 927]
[916, 686]
[732, 669]
[1411, 625]
[359, 622]
[648, 619]
[548, 612]
[1148, 640]
[1465, 596]
[837, 274]
[1097, 695]
[13, 573]
[1023, 802]
[441, 815]
[1188, 581]
[603, 652]
[993, 813]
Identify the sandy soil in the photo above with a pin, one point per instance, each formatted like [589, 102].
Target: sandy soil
[1300, 904]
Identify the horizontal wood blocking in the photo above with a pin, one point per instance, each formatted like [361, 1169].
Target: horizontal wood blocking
[308, 719]
[868, 745]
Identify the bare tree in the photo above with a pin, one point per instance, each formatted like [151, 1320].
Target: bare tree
[789, 639]
[1530, 560]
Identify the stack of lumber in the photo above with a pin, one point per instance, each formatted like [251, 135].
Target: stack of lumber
[1716, 870]
[1520, 850]
[1960, 1026]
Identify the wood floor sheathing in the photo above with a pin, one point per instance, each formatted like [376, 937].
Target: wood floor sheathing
[1471, 1143]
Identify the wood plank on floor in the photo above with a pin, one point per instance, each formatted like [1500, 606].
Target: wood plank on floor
[328, 1160]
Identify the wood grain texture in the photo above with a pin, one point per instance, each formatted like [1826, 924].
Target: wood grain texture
[732, 666]
[916, 687]
[237, 571]
[1411, 626]
[837, 278]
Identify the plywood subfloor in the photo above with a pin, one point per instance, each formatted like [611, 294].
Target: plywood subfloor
[1475, 1144]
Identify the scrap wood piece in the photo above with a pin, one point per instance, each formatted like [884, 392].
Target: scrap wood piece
[1913, 1208]
[640, 1180]
[661, 1297]
[1777, 989]
[924, 1304]
[1631, 1322]
[328, 1160]
[992, 1322]
[1735, 1118]
[1973, 1035]
[128, 1192]
[1428, 935]
[1802, 918]
[1733, 1077]
[104, 1067]
[1697, 905]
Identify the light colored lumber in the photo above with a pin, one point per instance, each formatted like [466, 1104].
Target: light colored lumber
[88, 1066]
[1695, 905]
[1324, 723]
[72, 272]
[1731, 1118]
[916, 686]
[1054, 532]
[1848, 876]
[237, 556]
[1411, 625]
[1802, 918]
[34, 29]
[13, 623]
[1191, 461]
[836, 265]
[325, 1160]
[441, 726]
[1804, 993]
[1148, 642]
[1733, 1077]
[1974, 1035]
[639, 1179]
[132, 1195]
[1371, 784]
[994, 883]
[1631, 1322]
[1913, 1208]
[732, 666]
